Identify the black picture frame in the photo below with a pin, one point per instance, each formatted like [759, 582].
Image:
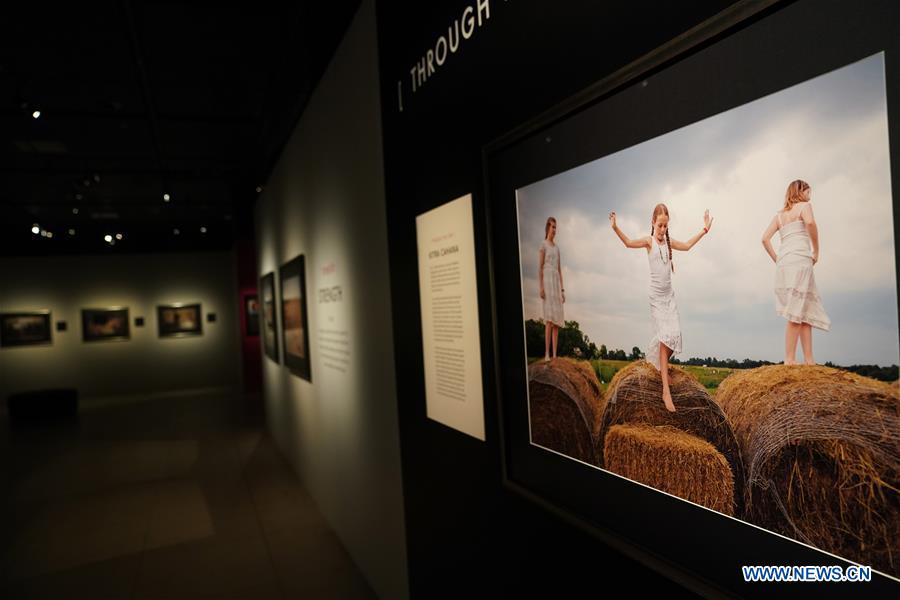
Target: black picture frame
[27, 328]
[105, 324]
[251, 315]
[752, 50]
[179, 319]
[269, 315]
[294, 318]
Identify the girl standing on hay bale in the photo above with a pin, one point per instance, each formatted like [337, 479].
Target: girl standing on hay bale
[552, 292]
[796, 296]
[663, 310]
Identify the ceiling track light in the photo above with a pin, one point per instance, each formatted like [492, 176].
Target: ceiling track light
[36, 114]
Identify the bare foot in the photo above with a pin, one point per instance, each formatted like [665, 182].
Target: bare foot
[790, 362]
[546, 358]
[667, 400]
[811, 361]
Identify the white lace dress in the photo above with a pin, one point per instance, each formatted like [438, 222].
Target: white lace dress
[663, 310]
[553, 305]
[796, 296]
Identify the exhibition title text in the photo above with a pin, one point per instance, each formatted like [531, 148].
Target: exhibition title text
[473, 17]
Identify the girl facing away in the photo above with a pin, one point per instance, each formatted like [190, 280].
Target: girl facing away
[796, 296]
[551, 285]
[663, 310]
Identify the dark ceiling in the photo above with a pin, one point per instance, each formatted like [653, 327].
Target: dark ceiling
[142, 99]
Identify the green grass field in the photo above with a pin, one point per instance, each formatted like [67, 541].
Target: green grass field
[710, 377]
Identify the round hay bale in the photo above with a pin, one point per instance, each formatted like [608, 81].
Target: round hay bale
[634, 397]
[822, 452]
[565, 405]
[672, 461]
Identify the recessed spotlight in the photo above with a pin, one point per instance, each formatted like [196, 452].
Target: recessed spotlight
[36, 114]
[166, 197]
[118, 236]
[43, 233]
[258, 189]
[107, 238]
[87, 183]
[49, 234]
[71, 232]
[79, 196]
[35, 229]
[176, 231]
[203, 230]
[97, 177]
[75, 211]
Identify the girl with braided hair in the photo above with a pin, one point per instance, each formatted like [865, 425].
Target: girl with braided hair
[663, 310]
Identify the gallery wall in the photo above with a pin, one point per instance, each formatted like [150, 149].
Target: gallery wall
[441, 109]
[143, 365]
[325, 201]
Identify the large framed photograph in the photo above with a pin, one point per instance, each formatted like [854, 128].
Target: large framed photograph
[179, 320]
[251, 315]
[25, 329]
[294, 322]
[105, 324]
[696, 291]
[269, 316]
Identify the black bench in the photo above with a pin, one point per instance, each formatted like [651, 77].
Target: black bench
[43, 405]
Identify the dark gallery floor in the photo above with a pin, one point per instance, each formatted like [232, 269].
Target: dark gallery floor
[174, 498]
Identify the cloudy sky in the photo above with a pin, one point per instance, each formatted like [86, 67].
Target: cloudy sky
[830, 131]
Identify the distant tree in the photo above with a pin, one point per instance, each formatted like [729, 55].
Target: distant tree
[603, 353]
[636, 354]
[534, 337]
[570, 338]
[571, 341]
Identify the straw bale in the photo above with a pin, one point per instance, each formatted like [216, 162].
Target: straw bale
[565, 405]
[672, 461]
[634, 396]
[822, 452]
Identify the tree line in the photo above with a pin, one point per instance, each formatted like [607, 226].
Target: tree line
[574, 343]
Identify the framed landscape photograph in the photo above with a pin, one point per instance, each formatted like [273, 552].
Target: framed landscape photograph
[105, 324]
[25, 329]
[251, 314]
[269, 316]
[294, 317]
[179, 320]
[698, 300]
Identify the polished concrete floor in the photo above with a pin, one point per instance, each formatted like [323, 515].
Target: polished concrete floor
[177, 498]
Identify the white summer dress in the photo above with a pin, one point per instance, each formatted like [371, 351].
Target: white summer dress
[796, 296]
[553, 306]
[663, 310]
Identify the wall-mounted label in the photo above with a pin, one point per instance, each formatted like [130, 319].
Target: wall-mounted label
[334, 341]
[448, 296]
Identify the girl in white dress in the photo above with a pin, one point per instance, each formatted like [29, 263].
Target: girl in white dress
[663, 310]
[552, 292]
[796, 296]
